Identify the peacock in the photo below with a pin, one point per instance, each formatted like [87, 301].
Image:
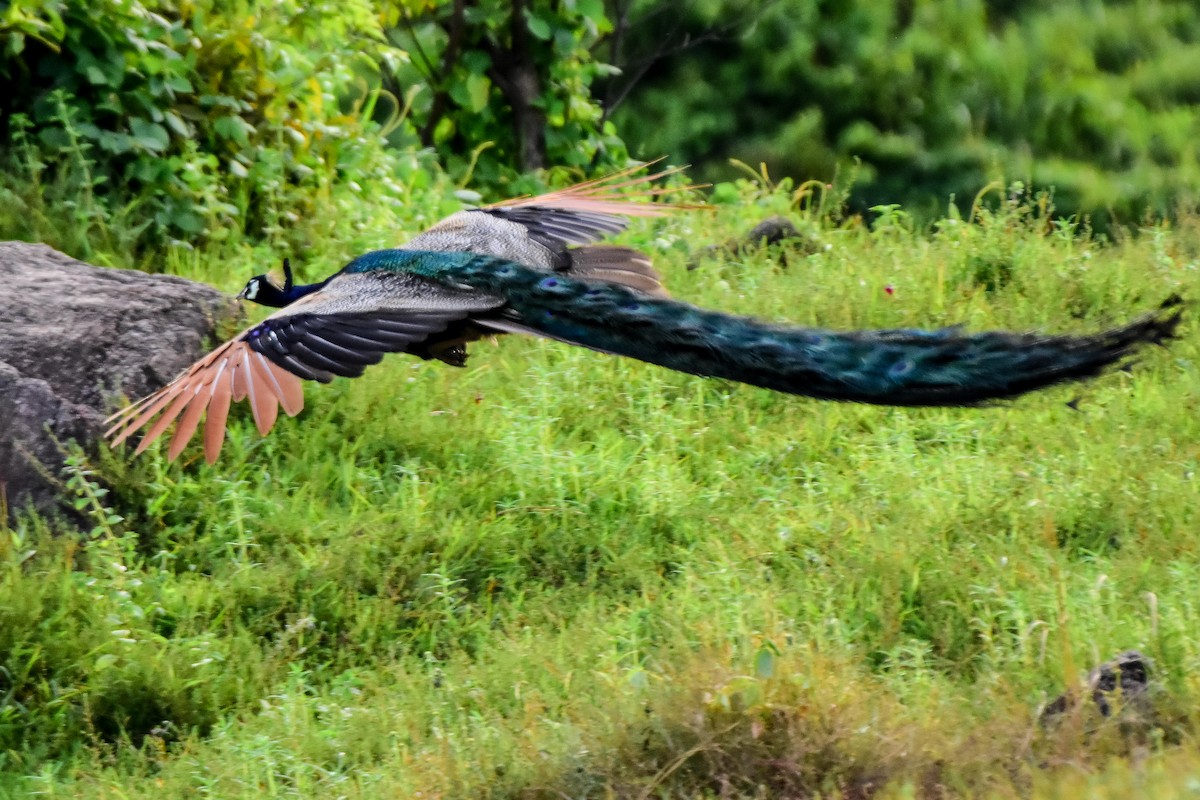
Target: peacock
[530, 266]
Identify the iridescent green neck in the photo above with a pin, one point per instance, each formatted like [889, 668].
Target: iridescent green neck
[417, 262]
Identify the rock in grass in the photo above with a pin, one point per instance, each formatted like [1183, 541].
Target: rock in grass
[72, 337]
[771, 231]
[1127, 676]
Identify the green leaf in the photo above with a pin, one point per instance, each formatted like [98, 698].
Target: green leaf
[147, 170]
[150, 135]
[478, 88]
[15, 44]
[88, 130]
[591, 9]
[176, 123]
[113, 142]
[476, 61]
[444, 129]
[187, 221]
[234, 128]
[179, 83]
[100, 68]
[537, 26]
[104, 662]
[54, 137]
[725, 193]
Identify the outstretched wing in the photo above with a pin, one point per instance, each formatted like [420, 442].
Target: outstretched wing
[554, 228]
[341, 330]
[536, 231]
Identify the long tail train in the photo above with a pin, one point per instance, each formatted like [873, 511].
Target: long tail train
[945, 367]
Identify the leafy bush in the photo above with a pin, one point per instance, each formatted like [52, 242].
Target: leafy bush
[133, 124]
[208, 121]
[137, 123]
[502, 88]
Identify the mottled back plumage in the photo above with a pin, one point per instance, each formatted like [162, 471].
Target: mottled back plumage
[556, 231]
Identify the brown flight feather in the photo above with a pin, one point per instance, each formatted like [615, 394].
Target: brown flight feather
[218, 413]
[231, 372]
[190, 418]
[603, 196]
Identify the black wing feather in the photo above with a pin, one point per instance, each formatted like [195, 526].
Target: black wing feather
[356, 318]
[318, 347]
[554, 228]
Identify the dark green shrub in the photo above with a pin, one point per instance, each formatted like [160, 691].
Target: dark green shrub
[139, 123]
[1094, 100]
[501, 88]
[195, 122]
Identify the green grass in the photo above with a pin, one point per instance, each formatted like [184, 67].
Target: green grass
[560, 574]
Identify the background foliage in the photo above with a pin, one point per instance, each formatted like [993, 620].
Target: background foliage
[1097, 100]
[189, 123]
[132, 125]
[513, 76]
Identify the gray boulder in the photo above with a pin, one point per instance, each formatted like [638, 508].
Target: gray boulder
[73, 339]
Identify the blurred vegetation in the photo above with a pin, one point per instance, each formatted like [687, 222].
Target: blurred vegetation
[510, 75]
[130, 126]
[920, 101]
[145, 124]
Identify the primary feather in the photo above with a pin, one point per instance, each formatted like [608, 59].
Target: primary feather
[400, 300]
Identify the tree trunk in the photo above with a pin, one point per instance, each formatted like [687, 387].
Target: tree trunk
[515, 72]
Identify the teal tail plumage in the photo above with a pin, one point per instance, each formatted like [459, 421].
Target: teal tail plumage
[892, 367]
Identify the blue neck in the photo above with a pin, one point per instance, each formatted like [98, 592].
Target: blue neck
[270, 295]
[296, 292]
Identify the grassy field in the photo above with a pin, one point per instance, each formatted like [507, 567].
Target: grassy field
[564, 575]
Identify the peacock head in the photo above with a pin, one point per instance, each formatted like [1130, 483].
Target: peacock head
[264, 290]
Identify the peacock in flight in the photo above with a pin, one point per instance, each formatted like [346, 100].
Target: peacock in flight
[531, 266]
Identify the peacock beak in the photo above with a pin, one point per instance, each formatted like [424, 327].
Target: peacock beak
[248, 291]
